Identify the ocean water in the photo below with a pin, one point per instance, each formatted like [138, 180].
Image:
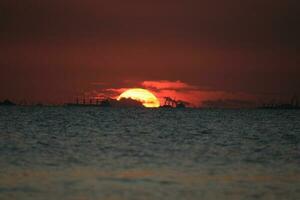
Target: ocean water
[75, 153]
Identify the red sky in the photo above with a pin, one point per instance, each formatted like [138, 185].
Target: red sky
[53, 51]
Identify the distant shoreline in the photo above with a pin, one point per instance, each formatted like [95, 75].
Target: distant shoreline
[159, 108]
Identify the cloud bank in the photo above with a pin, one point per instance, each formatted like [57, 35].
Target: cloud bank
[195, 96]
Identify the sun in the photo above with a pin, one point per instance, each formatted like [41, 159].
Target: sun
[148, 99]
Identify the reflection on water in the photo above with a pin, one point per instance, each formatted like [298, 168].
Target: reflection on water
[83, 153]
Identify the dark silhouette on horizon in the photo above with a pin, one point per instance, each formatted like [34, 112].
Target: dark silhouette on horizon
[294, 104]
[107, 102]
[228, 104]
[168, 103]
[7, 102]
[172, 103]
[125, 102]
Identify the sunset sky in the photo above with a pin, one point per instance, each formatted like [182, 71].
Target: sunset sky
[218, 50]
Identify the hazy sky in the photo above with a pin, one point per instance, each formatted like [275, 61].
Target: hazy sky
[53, 50]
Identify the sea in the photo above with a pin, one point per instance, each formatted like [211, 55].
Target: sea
[91, 153]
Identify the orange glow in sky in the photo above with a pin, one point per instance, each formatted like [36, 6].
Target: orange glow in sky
[148, 99]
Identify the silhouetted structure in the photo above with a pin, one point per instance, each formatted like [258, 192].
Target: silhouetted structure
[107, 102]
[104, 103]
[181, 104]
[228, 104]
[82, 102]
[294, 104]
[169, 103]
[172, 103]
[7, 102]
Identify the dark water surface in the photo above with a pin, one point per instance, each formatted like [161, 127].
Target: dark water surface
[111, 154]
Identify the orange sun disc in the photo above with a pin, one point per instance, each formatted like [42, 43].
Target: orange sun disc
[148, 99]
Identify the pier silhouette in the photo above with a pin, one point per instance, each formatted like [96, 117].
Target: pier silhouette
[105, 102]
